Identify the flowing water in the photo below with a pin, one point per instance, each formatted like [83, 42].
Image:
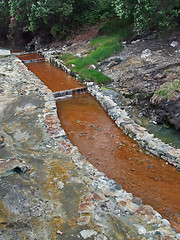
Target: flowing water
[110, 150]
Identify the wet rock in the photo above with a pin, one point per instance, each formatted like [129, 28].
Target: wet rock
[118, 187]
[137, 201]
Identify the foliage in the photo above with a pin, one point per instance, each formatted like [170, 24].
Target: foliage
[93, 75]
[47, 14]
[156, 14]
[67, 56]
[116, 25]
[58, 16]
[4, 17]
[89, 12]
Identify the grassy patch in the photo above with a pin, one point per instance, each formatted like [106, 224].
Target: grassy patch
[67, 56]
[101, 48]
[94, 75]
[169, 90]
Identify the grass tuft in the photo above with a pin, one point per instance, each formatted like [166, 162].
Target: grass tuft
[94, 75]
[102, 48]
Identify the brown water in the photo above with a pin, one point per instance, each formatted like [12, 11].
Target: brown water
[53, 77]
[30, 56]
[119, 157]
[110, 150]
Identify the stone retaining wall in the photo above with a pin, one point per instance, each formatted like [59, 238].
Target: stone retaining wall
[123, 121]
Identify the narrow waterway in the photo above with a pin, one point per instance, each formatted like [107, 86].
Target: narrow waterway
[51, 76]
[110, 150]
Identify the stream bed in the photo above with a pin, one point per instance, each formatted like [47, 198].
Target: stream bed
[97, 137]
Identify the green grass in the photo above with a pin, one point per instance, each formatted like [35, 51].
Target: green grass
[169, 90]
[67, 56]
[94, 75]
[101, 48]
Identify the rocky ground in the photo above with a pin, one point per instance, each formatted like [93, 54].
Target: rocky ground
[48, 190]
[146, 65]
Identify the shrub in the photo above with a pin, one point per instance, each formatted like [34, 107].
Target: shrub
[148, 14]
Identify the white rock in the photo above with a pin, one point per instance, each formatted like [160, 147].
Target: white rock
[88, 233]
[101, 237]
[174, 44]
[141, 229]
[4, 52]
[146, 53]
[60, 184]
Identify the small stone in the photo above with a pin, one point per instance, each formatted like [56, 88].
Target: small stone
[101, 237]
[118, 187]
[60, 184]
[137, 201]
[94, 196]
[59, 232]
[88, 233]
[146, 53]
[92, 66]
[141, 229]
[83, 220]
[174, 44]
[86, 207]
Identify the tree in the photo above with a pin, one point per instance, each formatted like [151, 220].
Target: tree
[57, 17]
[49, 15]
[149, 14]
[4, 18]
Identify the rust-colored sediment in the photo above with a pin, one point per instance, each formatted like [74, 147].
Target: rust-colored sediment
[30, 56]
[53, 77]
[110, 150]
[119, 157]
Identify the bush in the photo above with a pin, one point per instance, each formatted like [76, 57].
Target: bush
[4, 18]
[148, 14]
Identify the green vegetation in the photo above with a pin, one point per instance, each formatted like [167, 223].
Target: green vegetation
[169, 90]
[102, 48]
[59, 18]
[4, 18]
[93, 75]
[161, 15]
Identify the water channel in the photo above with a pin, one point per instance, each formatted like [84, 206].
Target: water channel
[111, 151]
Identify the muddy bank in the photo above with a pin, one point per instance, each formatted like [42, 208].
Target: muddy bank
[48, 190]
